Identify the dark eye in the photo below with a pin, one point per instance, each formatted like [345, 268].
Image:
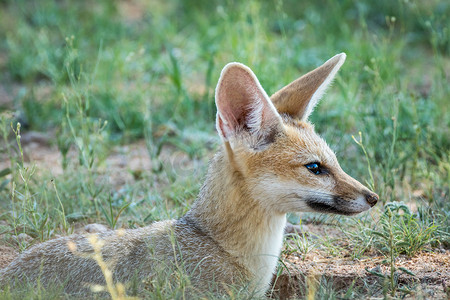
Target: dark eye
[314, 168]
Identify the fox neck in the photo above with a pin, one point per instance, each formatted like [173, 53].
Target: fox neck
[227, 212]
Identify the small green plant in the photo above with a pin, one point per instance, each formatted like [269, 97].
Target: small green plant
[399, 232]
[26, 216]
[87, 133]
[402, 231]
[65, 226]
[303, 244]
[109, 215]
[360, 143]
[327, 290]
[441, 217]
[359, 236]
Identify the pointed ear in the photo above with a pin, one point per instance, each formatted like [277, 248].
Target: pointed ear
[299, 98]
[243, 105]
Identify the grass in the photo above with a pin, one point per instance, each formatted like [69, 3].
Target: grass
[99, 76]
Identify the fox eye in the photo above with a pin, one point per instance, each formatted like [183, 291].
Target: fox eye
[314, 168]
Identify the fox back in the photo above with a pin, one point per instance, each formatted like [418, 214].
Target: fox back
[272, 162]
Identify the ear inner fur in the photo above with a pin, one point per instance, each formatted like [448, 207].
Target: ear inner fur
[299, 98]
[243, 107]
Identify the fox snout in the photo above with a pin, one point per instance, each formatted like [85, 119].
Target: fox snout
[358, 197]
[345, 204]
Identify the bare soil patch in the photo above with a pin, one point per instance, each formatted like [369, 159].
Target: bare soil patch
[431, 271]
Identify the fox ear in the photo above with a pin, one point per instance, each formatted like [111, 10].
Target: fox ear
[243, 105]
[299, 98]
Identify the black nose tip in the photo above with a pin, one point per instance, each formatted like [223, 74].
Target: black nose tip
[372, 199]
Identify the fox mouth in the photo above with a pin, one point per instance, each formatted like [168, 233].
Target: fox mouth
[326, 208]
[322, 202]
[335, 206]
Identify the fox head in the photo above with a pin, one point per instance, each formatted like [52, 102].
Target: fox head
[274, 149]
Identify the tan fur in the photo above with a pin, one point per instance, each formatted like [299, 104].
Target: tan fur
[233, 233]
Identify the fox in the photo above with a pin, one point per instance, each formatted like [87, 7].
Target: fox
[270, 162]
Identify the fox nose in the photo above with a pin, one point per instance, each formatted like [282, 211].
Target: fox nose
[372, 199]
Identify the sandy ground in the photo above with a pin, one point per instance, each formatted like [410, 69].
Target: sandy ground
[431, 270]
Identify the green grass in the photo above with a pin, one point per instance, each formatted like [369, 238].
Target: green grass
[96, 75]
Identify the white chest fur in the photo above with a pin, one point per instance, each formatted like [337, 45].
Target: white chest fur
[264, 257]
